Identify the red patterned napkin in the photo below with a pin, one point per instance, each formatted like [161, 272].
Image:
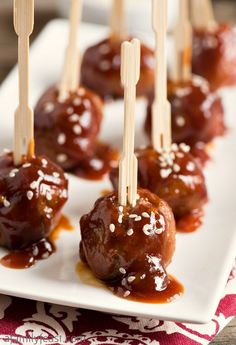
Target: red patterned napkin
[28, 322]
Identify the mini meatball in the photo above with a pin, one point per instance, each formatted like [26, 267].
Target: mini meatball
[214, 55]
[101, 69]
[67, 131]
[31, 198]
[129, 247]
[175, 176]
[197, 112]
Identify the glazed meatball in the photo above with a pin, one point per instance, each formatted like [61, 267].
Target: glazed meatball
[101, 69]
[214, 55]
[31, 198]
[129, 247]
[197, 112]
[175, 176]
[67, 131]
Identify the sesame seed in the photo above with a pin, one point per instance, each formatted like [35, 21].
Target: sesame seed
[56, 174]
[133, 215]
[137, 219]
[48, 209]
[165, 173]
[131, 279]
[81, 91]
[127, 293]
[190, 166]
[122, 270]
[34, 185]
[35, 251]
[77, 129]
[146, 229]
[112, 227]
[45, 255]
[74, 118]
[30, 194]
[49, 107]
[184, 147]
[6, 203]
[180, 121]
[121, 208]
[61, 139]
[176, 168]
[44, 162]
[104, 48]
[77, 101]
[120, 218]
[62, 158]
[130, 232]
[174, 147]
[26, 165]
[145, 215]
[105, 65]
[123, 281]
[40, 173]
[70, 110]
[143, 276]
[48, 196]
[13, 172]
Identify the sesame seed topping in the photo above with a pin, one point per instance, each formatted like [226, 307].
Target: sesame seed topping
[13, 172]
[77, 101]
[35, 251]
[112, 227]
[104, 48]
[123, 281]
[48, 107]
[176, 168]
[81, 91]
[48, 209]
[105, 65]
[61, 139]
[48, 196]
[122, 270]
[143, 276]
[40, 173]
[56, 174]
[26, 165]
[174, 147]
[120, 218]
[190, 166]
[70, 110]
[77, 129]
[121, 208]
[165, 173]
[127, 293]
[30, 194]
[62, 158]
[74, 118]
[131, 279]
[180, 120]
[34, 185]
[137, 219]
[147, 229]
[130, 232]
[133, 215]
[6, 203]
[184, 147]
[145, 215]
[44, 162]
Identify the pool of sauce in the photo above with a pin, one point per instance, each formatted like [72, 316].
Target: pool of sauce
[173, 291]
[191, 222]
[43, 249]
[97, 166]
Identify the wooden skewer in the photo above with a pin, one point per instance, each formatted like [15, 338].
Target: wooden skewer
[202, 14]
[182, 66]
[24, 122]
[71, 71]
[130, 73]
[117, 20]
[161, 111]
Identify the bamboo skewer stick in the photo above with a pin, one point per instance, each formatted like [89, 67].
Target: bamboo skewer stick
[182, 66]
[71, 71]
[130, 73]
[117, 20]
[161, 111]
[202, 14]
[24, 123]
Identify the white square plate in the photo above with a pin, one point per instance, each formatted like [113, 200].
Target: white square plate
[202, 261]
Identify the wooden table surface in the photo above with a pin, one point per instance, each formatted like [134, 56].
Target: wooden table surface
[224, 9]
